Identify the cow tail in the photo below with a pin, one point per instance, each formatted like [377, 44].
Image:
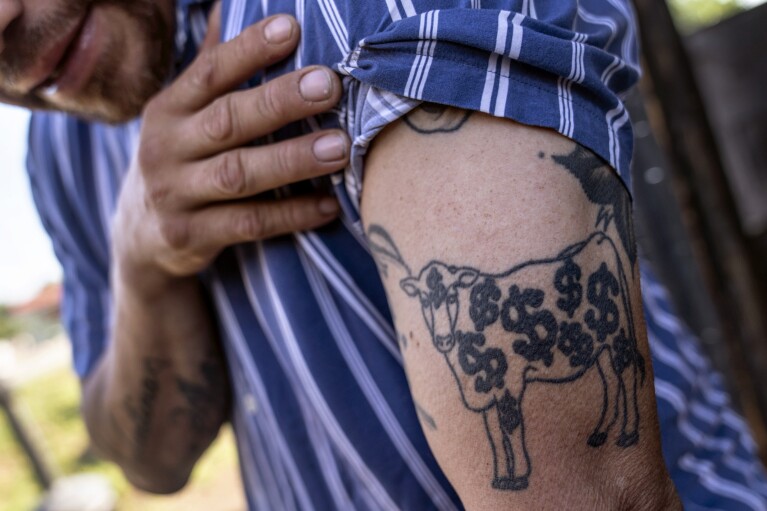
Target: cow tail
[381, 244]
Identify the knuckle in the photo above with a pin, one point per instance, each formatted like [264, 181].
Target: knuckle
[270, 105]
[156, 195]
[244, 48]
[229, 174]
[150, 152]
[250, 225]
[218, 121]
[287, 162]
[204, 70]
[175, 232]
[293, 216]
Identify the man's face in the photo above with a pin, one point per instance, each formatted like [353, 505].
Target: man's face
[100, 59]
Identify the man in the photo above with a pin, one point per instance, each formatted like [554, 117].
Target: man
[506, 254]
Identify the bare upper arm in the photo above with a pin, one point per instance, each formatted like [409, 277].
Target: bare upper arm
[508, 256]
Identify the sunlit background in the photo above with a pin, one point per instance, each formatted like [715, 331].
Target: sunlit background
[27, 262]
[37, 386]
[35, 357]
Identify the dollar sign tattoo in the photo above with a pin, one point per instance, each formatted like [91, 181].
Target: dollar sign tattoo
[576, 344]
[567, 282]
[602, 284]
[437, 289]
[490, 364]
[535, 347]
[484, 304]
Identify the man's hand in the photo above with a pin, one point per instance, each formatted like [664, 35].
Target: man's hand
[190, 191]
[160, 392]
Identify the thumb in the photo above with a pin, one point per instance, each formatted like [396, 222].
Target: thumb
[213, 35]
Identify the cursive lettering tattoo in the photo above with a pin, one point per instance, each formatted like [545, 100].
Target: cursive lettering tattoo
[142, 410]
[200, 398]
[500, 332]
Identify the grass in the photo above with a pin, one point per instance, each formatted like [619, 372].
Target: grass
[50, 406]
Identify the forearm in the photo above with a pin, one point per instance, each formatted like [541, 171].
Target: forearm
[195, 187]
[508, 258]
[160, 393]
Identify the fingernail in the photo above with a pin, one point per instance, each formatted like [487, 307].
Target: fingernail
[278, 30]
[315, 86]
[328, 206]
[329, 148]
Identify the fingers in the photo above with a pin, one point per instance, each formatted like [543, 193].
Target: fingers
[238, 118]
[222, 67]
[247, 172]
[221, 226]
[213, 35]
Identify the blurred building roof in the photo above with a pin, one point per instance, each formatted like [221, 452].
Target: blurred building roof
[47, 302]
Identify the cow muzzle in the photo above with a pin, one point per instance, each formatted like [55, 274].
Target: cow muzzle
[444, 343]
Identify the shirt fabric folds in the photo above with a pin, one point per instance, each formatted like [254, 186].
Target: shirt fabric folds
[322, 411]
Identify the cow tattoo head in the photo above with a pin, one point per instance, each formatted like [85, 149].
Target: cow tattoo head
[437, 289]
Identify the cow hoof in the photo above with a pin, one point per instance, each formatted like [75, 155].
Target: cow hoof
[628, 439]
[597, 439]
[509, 483]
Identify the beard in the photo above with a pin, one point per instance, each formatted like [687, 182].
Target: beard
[134, 62]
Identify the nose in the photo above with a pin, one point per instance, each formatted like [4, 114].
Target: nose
[444, 342]
[9, 11]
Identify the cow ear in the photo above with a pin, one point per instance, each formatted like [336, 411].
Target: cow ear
[466, 277]
[410, 286]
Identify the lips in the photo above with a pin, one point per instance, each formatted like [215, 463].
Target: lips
[50, 58]
[79, 60]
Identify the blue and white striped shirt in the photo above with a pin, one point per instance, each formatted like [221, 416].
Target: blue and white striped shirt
[322, 410]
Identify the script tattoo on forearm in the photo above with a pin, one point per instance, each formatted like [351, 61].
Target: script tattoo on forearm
[142, 410]
[499, 332]
[200, 401]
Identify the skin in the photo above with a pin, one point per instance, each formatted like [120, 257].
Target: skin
[481, 194]
[159, 394]
[29, 28]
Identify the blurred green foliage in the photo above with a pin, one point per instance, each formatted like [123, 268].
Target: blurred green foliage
[9, 327]
[50, 408]
[692, 15]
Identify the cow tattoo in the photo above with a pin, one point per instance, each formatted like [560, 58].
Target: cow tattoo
[499, 332]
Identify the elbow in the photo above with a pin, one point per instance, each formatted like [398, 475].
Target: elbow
[156, 480]
[146, 471]
[143, 471]
[658, 493]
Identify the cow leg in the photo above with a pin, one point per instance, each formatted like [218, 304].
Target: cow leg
[610, 400]
[501, 460]
[630, 430]
[516, 470]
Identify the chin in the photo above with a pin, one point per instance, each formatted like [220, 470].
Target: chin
[114, 105]
[97, 109]
[132, 41]
[117, 96]
[134, 66]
